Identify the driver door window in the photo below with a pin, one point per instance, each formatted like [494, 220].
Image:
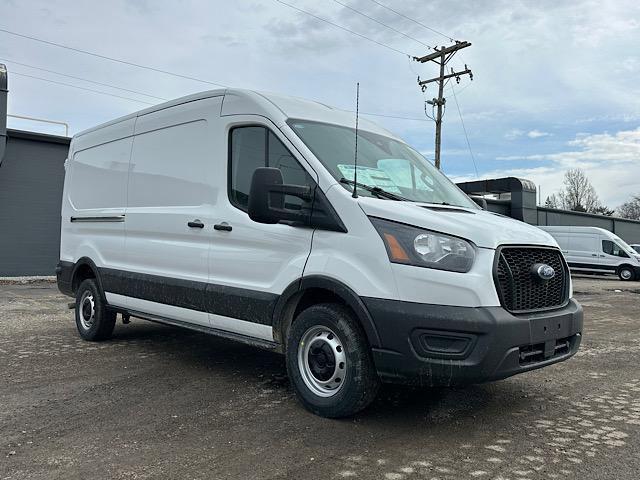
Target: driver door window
[612, 248]
[253, 147]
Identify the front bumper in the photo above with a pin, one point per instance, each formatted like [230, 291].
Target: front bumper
[440, 345]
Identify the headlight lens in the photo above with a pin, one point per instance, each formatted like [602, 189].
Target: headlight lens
[423, 248]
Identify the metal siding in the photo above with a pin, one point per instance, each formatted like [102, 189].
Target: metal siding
[628, 230]
[499, 206]
[31, 179]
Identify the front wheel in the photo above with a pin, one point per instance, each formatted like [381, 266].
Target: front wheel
[626, 273]
[329, 362]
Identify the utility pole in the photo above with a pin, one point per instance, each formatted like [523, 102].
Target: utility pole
[441, 57]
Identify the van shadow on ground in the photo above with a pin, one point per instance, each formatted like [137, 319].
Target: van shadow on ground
[196, 353]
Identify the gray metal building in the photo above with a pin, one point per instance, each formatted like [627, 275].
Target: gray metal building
[31, 179]
[517, 199]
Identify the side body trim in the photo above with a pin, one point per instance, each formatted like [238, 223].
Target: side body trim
[261, 343]
[187, 316]
[101, 218]
[593, 266]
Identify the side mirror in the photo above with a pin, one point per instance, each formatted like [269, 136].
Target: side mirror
[267, 194]
[481, 201]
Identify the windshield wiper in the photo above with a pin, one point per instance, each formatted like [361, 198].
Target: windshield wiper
[377, 191]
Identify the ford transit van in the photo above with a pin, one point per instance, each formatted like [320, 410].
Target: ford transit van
[596, 250]
[243, 215]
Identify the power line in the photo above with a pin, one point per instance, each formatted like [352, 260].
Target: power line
[464, 129]
[415, 119]
[83, 79]
[399, 117]
[343, 28]
[112, 59]
[166, 72]
[80, 88]
[413, 20]
[383, 24]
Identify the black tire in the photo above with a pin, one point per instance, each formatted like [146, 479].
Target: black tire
[359, 382]
[626, 273]
[100, 326]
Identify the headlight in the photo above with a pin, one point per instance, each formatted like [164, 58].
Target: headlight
[423, 248]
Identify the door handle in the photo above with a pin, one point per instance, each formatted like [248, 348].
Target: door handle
[603, 256]
[196, 224]
[594, 255]
[224, 227]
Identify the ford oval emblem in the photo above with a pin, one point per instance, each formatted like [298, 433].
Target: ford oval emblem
[543, 271]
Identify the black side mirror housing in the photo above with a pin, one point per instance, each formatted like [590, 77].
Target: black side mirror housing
[267, 203]
[266, 198]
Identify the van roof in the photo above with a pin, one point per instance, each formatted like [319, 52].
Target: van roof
[574, 229]
[274, 106]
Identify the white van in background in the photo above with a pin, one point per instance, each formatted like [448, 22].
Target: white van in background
[596, 250]
[238, 214]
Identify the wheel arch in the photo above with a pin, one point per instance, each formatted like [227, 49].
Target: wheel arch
[83, 269]
[628, 266]
[316, 289]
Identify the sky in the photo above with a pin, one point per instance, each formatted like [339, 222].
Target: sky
[556, 83]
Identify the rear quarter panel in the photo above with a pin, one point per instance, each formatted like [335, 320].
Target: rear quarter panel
[95, 186]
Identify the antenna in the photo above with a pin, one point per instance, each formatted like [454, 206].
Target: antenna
[355, 160]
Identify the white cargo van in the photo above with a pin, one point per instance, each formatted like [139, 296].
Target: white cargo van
[596, 250]
[234, 213]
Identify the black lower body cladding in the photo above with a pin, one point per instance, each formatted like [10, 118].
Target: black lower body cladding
[64, 276]
[439, 345]
[249, 305]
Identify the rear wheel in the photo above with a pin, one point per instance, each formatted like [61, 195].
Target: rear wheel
[93, 320]
[626, 273]
[329, 362]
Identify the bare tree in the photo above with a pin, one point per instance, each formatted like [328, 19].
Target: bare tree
[603, 210]
[630, 208]
[552, 201]
[578, 194]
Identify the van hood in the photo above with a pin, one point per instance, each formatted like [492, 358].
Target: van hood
[484, 229]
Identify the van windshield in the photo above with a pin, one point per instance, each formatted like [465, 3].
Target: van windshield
[623, 245]
[383, 162]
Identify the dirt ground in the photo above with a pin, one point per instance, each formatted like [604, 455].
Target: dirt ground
[160, 402]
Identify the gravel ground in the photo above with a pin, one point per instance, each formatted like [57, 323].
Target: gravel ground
[160, 402]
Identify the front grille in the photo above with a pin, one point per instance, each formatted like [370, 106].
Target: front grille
[518, 287]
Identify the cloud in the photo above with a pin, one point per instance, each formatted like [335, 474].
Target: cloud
[537, 134]
[513, 134]
[630, 64]
[527, 158]
[611, 161]
[516, 133]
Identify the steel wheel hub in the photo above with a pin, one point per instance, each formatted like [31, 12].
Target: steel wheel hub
[87, 310]
[322, 361]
